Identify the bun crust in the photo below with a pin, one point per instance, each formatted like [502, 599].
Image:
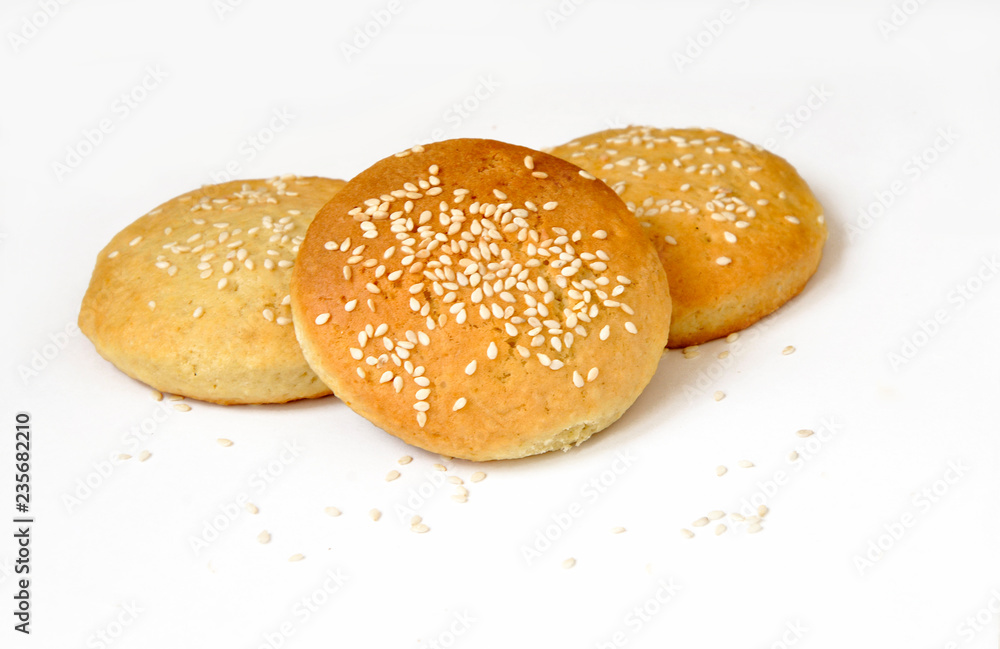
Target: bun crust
[191, 298]
[455, 295]
[737, 229]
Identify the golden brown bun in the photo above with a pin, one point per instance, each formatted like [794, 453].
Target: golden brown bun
[727, 269]
[192, 297]
[380, 317]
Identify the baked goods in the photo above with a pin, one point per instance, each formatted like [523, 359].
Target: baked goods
[738, 231]
[192, 298]
[480, 300]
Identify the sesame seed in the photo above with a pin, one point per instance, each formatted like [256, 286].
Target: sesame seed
[793, 456]
[375, 514]
[805, 432]
[198, 312]
[251, 508]
[721, 470]
[332, 511]
[135, 241]
[762, 510]
[631, 328]
[392, 475]
[222, 441]
[592, 374]
[720, 529]
[792, 219]
[459, 404]
[491, 351]
[264, 537]
[686, 533]
[529, 162]
[282, 320]
[733, 337]
[322, 318]
[551, 205]
[182, 407]
[701, 522]
[788, 350]
[723, 261]
[499, 194]
[746, 464]
[372, 288]
[617, 530]
[715, 515]
[406, 459]
[568, 563]
[296, 557]
[439, 467]
[719, 395]
[605, 332]
[144, 455]
[478, 476]
[577, 380]
[420, 528]
[470, 369]
[157, 395]
[587, 175]
[112, 254]
[754, 528]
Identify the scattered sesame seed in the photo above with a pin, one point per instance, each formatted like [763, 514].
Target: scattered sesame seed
[124, 456]
[478, 476]
[793, 456]
[720, 529]
[701, 522]
[406, 459]
[753, 528]
[251, 508]
[762, 510]
[731, 338]
[439, 467]
[182, 407]
[392, 475]
[716, 514]
[686, 533]
[617, 530]
[805, 432]
[296, 557]
[375, 514]
[788, 350]
[264, 537]
[420, 528]
[721, 470]
[719, 395]
[723, 354]
[746, 464]
[568, 563]
[332, 511]
[224, 442]
[145, 455]
[157, 395]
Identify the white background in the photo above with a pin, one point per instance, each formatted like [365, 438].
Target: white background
[868, 99]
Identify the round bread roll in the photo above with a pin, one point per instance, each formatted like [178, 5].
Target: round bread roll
[192, 298]
[481, 300]
[738, 231]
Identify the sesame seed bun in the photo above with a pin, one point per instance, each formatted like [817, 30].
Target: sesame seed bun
[192, 298]
[738, 231]
[481, 300]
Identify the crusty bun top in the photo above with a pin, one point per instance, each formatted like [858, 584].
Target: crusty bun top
[481, 300]
[192, 298]
[737, 229]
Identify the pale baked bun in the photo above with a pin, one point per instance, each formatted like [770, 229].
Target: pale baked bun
[192, 298]
[737, 229]
[481, 300]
